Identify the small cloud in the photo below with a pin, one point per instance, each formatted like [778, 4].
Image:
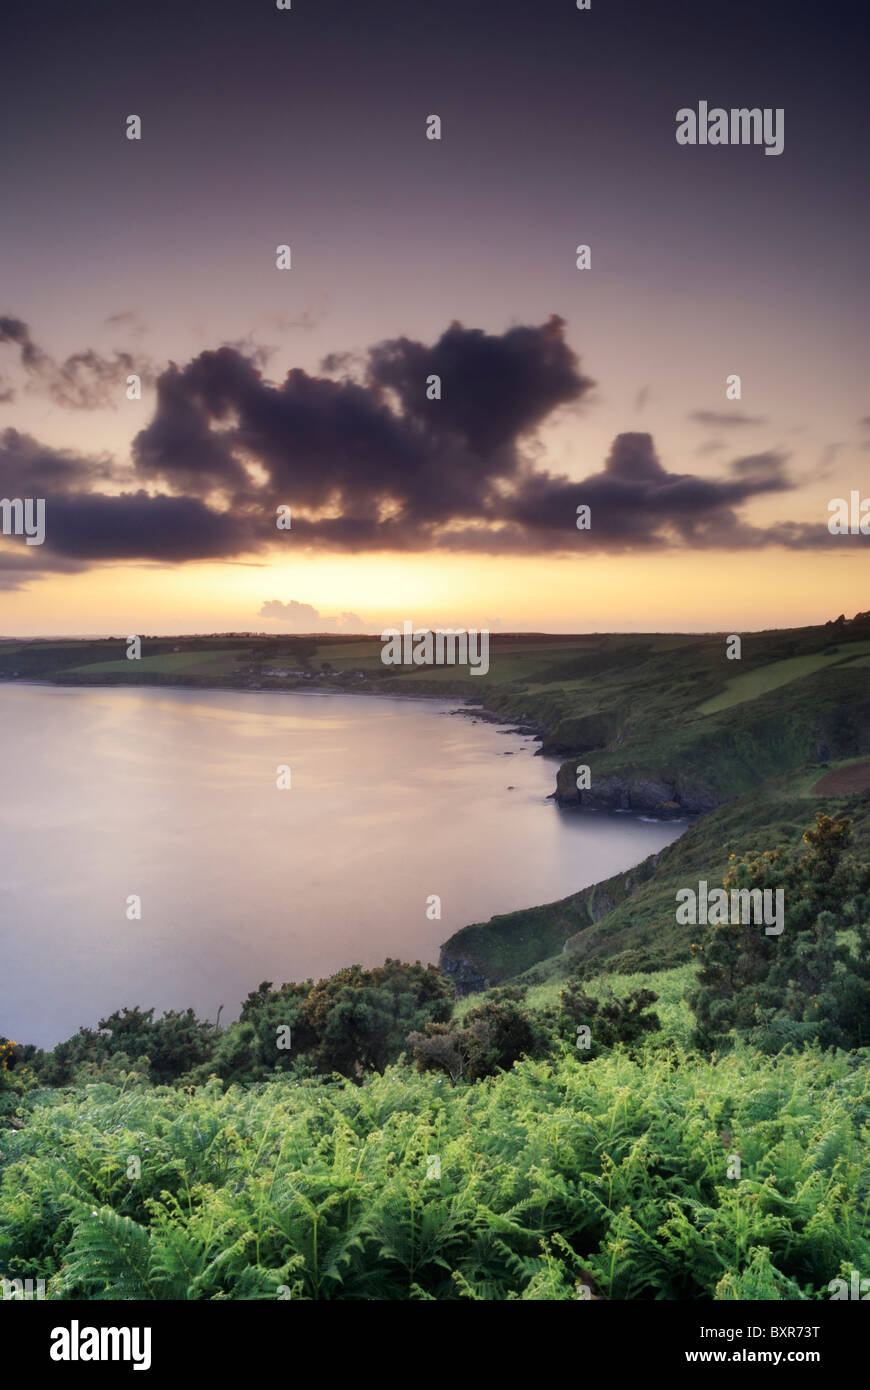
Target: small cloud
[291, 612]
[311, 316]
[130, 321]
[303, 617]
[85, 380]
[641, 399]
[764, 468]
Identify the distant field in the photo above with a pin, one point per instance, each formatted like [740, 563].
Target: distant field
[174, 663]
[508, 661]
[777, 673]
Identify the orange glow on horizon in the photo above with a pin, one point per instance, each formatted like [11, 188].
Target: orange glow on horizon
[661, 591]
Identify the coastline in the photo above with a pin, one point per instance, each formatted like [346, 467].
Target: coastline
[461, 969]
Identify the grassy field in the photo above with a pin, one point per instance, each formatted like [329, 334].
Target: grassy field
[765, 678]
[174, 663]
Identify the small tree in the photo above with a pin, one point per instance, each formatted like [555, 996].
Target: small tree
[610, 1020]
[802, 983]
[496, 1033]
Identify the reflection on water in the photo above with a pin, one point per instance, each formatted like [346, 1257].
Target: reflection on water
[172, 795]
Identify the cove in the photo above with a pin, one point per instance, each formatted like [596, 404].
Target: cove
[171, 795]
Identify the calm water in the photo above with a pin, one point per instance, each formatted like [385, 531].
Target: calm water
[172, 796]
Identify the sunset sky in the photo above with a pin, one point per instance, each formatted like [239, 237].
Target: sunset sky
[306, 387]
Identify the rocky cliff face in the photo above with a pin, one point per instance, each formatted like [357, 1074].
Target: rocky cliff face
[646, 796]
[466, 975]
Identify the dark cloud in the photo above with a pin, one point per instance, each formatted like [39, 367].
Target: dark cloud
[378, 453]
[494, 388]
[637, 504]
[374, 465]
[259, 354]
[767, 468]
[725, 418]
[335, 362]
[85, 380]
[864, 422]
[85, 524]
[20, 565]
[136, 526]
[29, 469]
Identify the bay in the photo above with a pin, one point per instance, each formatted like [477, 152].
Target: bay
[171, 795]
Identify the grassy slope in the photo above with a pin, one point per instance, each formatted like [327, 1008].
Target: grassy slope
[759, 758]
[635, 911]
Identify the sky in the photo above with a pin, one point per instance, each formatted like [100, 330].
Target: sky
[410, 258]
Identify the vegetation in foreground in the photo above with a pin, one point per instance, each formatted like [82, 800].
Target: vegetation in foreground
[471, 1153]
[553, 1180]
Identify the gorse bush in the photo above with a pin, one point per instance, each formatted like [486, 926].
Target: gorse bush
[610, 1020]
[494, 1035]
[550, 1176]
[16, 1074]
[172, 1045]
[806, 983]
[351, 1022]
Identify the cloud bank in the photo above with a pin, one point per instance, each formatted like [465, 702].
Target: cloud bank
[370, 463]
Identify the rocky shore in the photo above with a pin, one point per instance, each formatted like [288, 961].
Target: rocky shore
[643, 796]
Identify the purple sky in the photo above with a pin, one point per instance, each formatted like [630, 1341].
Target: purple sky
[262, 127]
